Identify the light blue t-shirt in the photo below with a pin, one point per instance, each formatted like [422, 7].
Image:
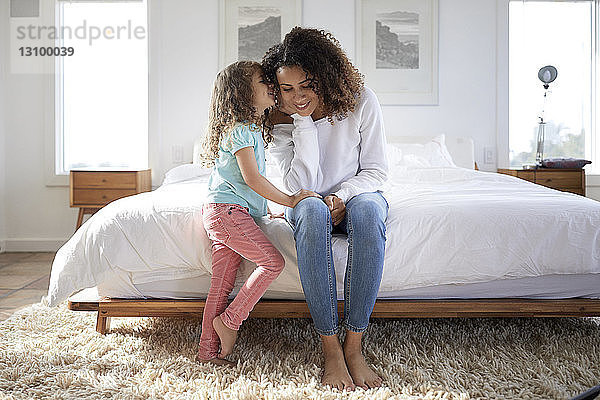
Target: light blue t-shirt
[226, 184]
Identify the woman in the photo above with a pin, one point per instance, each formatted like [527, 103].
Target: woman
[329, 138]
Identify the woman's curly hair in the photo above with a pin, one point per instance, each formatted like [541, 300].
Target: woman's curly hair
[335, 80]
[232, 102]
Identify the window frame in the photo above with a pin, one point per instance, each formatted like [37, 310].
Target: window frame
[591, 149]
[502, 90]
[51, 15]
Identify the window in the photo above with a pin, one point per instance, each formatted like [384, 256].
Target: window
[102, 90]
[562, 34]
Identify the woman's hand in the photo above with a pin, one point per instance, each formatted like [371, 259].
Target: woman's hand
[336, 207]
[275, 216]
[301, 195]
[284, 107]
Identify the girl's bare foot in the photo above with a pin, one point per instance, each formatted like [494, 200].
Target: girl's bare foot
[216, 361]
[362, 375]
[227, 336]
[336, 374]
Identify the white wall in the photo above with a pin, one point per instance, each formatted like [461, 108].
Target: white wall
[183, 41]
[37, 217]
[3, 56]
[183, 64]
[467, 80]
[467, 71]
[186, 60]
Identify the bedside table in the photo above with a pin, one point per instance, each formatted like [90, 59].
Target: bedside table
[566, 180]
[92, 190]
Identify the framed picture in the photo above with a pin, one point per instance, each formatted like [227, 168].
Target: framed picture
[248, 28]
[397, 49]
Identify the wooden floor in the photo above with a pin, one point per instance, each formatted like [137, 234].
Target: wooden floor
[24, 279]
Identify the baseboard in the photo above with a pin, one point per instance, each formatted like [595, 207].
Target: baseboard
[33, 245]
[592, 180]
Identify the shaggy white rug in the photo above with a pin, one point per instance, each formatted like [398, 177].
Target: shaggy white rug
[56, 353]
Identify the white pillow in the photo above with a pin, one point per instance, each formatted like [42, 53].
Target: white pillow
[431, 154]
[196, 153]
[185, 172]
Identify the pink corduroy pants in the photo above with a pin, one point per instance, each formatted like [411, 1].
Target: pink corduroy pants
[234, 235]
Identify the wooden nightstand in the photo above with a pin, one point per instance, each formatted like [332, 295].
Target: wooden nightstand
[566, 180]
[92, 190]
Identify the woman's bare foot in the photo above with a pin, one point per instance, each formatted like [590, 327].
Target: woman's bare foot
[216, 361]
[336, 373]
[362, 375]
[227, 336]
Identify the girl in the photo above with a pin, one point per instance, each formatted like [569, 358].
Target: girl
[237, 192]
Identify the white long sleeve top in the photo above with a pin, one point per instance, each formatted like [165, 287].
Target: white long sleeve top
[345, 159]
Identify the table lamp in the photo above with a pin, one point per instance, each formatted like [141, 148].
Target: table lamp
[547, 75]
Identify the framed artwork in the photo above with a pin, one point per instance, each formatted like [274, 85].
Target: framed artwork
[397, 49]
[248, 28]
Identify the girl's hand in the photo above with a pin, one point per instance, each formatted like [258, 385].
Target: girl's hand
[301, 195]
[247, 162]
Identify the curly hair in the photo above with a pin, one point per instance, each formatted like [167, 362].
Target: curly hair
[232, 103]
[335, 80]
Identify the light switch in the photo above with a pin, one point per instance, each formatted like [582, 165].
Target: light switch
[177, 153]
[488, 155]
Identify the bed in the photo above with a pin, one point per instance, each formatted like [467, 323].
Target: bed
[460, 243]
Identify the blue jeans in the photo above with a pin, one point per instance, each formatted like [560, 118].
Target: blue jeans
[364, 224]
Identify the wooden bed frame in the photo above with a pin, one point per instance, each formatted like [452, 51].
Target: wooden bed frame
[578, 307]
[461, 149]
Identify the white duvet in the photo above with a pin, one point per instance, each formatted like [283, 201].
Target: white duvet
[445, 226]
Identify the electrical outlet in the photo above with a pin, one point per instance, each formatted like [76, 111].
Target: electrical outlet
[488, 155]
[177, 154]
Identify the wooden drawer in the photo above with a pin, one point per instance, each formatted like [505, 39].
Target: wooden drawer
[91, 190]
[566, 180]
[100, 198]
[527, 175]
[108, 180]
[559, 179]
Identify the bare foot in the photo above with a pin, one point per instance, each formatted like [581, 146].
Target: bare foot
[226, 335]
[336, 374]
[216, 361]
[362, 375]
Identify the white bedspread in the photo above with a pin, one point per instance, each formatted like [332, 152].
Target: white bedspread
[445, 226]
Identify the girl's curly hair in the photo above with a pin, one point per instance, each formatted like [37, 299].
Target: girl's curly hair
[232, 102]
[335, 80]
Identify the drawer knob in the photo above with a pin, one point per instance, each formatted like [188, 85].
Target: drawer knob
[103, 196]
[103, 180]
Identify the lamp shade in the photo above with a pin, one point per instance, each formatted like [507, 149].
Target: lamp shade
[547, 74]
